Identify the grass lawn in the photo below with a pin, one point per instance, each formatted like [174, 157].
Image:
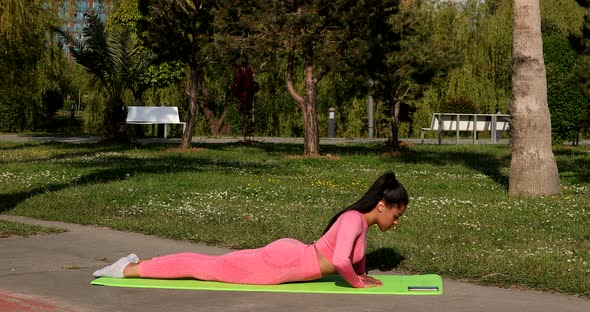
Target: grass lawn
[460, 222]
[8, 229]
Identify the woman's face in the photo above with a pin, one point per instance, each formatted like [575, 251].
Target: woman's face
[389, 216]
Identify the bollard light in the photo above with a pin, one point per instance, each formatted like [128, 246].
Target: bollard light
[331, 122]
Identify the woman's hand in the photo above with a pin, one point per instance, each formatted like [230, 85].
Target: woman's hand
[370, 281]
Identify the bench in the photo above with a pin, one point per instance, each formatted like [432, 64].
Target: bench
[153, 115]
[467, 122]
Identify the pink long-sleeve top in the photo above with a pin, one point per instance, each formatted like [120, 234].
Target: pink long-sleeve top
[344, 246]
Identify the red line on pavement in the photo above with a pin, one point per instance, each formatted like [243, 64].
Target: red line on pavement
[18, 303]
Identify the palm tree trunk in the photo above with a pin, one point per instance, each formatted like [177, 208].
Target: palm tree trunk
[533, 170]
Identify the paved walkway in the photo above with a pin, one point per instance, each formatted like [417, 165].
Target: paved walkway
[53, 273]
[200, 139]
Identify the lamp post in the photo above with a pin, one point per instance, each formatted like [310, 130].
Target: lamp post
[370, 109]
[331, 122]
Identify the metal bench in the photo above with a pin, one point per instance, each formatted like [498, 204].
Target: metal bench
[467, 122]
[153, 115]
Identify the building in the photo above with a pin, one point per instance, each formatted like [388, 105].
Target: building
[73, 12]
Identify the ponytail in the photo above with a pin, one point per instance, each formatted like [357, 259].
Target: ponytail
[385, 188]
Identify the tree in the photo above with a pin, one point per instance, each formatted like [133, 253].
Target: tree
[23, 42]
[482, 31]
[110, 57]
[313, 36]
[567, 103]
[533, 169]
[142, 72]
[244, 89]
[184, 30]
[405, 59]
[582, 44]
[306, 32]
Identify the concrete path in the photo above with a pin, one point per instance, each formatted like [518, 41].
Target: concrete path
[201, 139]
[53, 273]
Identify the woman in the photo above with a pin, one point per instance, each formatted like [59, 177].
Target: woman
[341, 249]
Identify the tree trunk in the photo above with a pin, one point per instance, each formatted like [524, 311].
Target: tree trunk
[533, 170]
[394, 139]
[394, 112]
[115, 127]
[311, 138]
[187, 136]
[217, 126]
[308, 104]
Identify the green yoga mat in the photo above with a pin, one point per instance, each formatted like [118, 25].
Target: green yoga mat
[430, 284]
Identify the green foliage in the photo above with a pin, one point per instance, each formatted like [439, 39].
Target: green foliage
[352, 124]
[127, 15]
[11, 108]
[163, 74]
[143, 72]
[189, 32]
[177, 30]
[482, 31]
[584, 38]
[569, 112]
[425, 107]
[567, 103]
[561, 17]
[461, 105]
[451, 56]
[410, 57]
[274, 111]
[53, 101]
[346, 94]
[582, 74]
[95, 100]
[106, 56]
[559, 55]
[467, 93]
[23, 46]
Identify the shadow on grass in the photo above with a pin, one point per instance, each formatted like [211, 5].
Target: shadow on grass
[384, 259]
[296, 149]
[116, 169]
[576, 170]
[17, 146]
[65, 150]
[490, 161]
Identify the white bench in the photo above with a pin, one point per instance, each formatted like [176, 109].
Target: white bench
[153, 115]
[467, 122]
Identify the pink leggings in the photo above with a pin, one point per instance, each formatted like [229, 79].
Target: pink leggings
[284, 260]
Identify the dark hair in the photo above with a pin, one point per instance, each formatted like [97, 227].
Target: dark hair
[386, 188]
